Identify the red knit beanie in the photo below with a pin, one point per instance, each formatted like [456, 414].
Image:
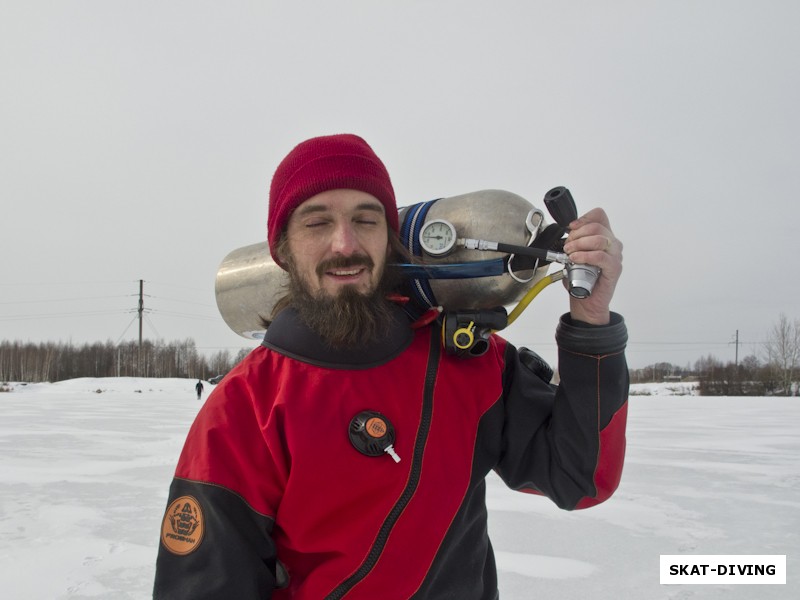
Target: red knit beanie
[343, 161]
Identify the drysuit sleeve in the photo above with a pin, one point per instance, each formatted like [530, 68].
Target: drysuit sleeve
[216, 533]
[567, 442]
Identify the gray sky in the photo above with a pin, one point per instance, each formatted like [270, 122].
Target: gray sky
[138, 141]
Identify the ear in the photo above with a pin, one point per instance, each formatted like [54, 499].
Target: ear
[282, 249]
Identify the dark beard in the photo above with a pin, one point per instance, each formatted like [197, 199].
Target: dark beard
[348, 319]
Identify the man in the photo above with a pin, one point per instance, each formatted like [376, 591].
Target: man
[199, 388]
[346, 456]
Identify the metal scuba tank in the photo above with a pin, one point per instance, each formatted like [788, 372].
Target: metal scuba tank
[248, 285]
[249, 282]
[486, 215]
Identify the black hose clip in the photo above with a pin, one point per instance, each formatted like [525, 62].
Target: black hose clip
[466, 333]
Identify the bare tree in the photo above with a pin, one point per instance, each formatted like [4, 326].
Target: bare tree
[49, 361]
[782, 350]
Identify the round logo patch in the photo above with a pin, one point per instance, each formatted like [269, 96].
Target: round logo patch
[376, 427]
[183, 526]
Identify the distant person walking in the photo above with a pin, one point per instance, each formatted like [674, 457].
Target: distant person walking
[199, 388]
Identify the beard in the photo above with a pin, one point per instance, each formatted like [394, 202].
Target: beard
[351, 317]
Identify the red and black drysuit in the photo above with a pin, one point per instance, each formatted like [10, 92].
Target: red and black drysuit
[278, 482]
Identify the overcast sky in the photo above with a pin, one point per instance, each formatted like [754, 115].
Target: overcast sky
[138, 140]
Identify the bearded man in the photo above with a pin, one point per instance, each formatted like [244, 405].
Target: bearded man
[346, 456]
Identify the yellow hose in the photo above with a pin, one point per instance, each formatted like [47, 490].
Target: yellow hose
[532, 293]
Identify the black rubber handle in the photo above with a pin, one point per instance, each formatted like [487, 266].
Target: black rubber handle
[561, 206]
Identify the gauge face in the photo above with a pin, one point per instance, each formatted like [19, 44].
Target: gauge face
[438, 237]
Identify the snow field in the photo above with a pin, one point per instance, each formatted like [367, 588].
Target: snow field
[85, 466]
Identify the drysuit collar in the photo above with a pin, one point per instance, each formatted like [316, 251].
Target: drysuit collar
[290, 336]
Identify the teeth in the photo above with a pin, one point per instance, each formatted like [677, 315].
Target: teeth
[345, 273]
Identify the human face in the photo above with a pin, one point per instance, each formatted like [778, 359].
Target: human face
[339, 238]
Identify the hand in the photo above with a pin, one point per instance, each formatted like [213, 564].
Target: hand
[592, 242]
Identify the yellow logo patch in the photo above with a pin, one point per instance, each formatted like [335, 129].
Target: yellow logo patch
[183, 526]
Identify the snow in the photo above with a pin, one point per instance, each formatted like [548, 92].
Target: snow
[85, 466]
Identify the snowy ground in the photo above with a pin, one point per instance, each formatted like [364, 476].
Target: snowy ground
[85, 466]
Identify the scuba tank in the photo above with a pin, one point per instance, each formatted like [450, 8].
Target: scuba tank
[248, 285]
[445, 273]
[487, 215]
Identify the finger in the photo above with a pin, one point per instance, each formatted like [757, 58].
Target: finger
[596, 215]
[612, 246]
[590, 229]
[590, 239]
[598, 250]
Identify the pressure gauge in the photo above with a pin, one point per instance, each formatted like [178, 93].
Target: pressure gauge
[437, 237]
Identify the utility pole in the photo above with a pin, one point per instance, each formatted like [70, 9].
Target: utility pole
[141, 311]
[736, 366]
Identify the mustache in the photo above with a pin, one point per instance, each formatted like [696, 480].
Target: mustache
[345, 262]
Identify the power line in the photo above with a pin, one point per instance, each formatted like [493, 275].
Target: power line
[52, 283]
[60, 315]
[183, 301]
[77, 299]
[176, 285]
[185, 315]
[125, 331]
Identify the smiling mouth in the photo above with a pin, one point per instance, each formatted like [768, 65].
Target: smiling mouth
[345, 267]
[346, 272]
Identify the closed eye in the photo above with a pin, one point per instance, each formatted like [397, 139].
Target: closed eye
[313, 224]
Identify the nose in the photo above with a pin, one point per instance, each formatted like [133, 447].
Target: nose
[345, 240]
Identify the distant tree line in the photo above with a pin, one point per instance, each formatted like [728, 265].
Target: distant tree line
[41, 362]
[776, 373]
[716, 378]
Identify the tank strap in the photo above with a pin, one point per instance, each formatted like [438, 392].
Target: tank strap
[419, 288]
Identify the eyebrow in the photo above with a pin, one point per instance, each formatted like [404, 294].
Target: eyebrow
[317, 208]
